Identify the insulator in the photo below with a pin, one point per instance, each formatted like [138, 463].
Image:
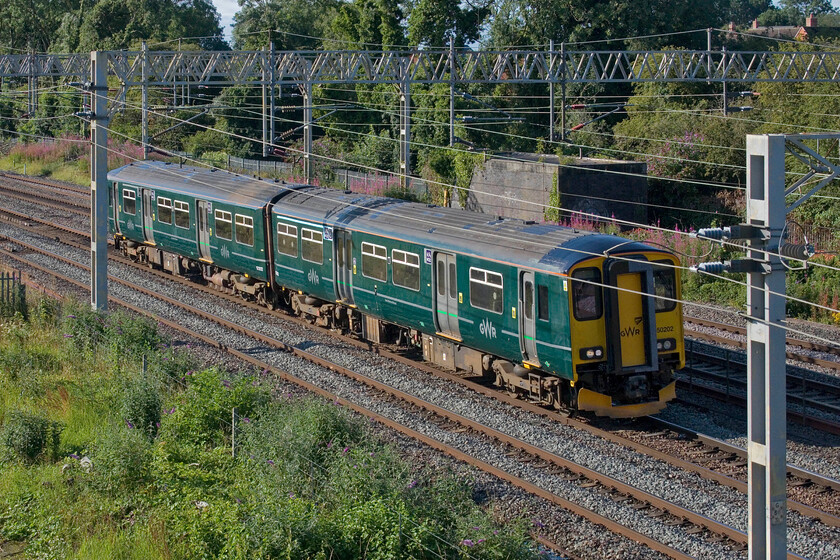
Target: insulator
[715, 233]
[711, 267]
[794, 251]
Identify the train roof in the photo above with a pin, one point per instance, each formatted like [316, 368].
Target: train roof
[508, 240]
[200, 182]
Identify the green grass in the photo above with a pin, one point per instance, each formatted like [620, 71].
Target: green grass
[309, 480]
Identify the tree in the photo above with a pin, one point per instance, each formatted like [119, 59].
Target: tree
[432, 23]
[30, 24]
[535, 22]
[744, 11]
[368, 24]
[300, 24]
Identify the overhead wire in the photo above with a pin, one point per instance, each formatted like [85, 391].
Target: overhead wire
[593, 254]
[650, 227]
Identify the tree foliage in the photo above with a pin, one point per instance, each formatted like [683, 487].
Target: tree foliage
[86, 25]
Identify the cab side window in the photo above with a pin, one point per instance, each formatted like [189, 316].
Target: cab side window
[664, 286]
[587, 295]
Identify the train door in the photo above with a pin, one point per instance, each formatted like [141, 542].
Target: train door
[631, 315]
[148, 215]
[344, 266]
[113, 214]
[527, 318]
[446, 295]
[202, 218]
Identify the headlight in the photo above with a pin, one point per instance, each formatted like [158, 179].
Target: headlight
[591, 353]
[666, 344]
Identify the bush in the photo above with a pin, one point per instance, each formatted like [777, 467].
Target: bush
[28, 436]
[141, 406]
[121, 461]
[202, 415]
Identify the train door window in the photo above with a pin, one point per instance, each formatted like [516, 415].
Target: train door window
[129, 201]
[164, 210]
[587, 296]
[664, 286]
[182, 214]
[287, 242]
[224, 225]
[312, 245]
[405, 269]
[453, 281]
[441, 281]
[374, 261]
[340, 252]
[486, 290]
[542, 303]
[529, 300]
[244, 230]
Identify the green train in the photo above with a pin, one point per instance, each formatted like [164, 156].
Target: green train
[559, 316]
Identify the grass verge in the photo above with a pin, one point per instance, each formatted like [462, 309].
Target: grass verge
[101, 459]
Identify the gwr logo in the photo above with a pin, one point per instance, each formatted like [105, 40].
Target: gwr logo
[313, 277]
[225, 252]
[630, 331]
[487, 329]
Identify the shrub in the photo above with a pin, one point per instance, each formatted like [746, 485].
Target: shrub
[28, 436]
[141, 406]
[202, 413]
[121, 460]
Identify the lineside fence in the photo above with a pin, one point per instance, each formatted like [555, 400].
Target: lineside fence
[12, 293]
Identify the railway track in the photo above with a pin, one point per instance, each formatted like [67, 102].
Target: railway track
[700, 446]
[529, 455]
[70, 202]
[811, 401]
[741, 332]
[519, 451]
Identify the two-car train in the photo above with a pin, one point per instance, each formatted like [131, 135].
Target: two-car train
[560, 316]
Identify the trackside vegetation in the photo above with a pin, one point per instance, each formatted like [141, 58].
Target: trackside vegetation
[101, 458]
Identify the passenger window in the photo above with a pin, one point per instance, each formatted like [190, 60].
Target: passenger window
[486, 290]
[374, 261]
[287, 241]
[245, 230]
[542, 303]
[312, 245]
[224, 225]
[182, 214]
[129, 201]
[405, 269]
[587, 295]
[665, 286]
[164, 207]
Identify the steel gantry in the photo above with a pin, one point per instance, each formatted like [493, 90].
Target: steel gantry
[270, 69]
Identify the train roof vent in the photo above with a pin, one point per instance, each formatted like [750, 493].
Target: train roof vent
[212, 170]
[529, 222]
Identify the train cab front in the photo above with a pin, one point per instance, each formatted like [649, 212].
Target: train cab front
[626, 333]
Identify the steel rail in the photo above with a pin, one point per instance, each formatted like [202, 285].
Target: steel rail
[698, 520]
[688, 466]
[46, 201]
[508, 399]
[828, 364]
[53, 184]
